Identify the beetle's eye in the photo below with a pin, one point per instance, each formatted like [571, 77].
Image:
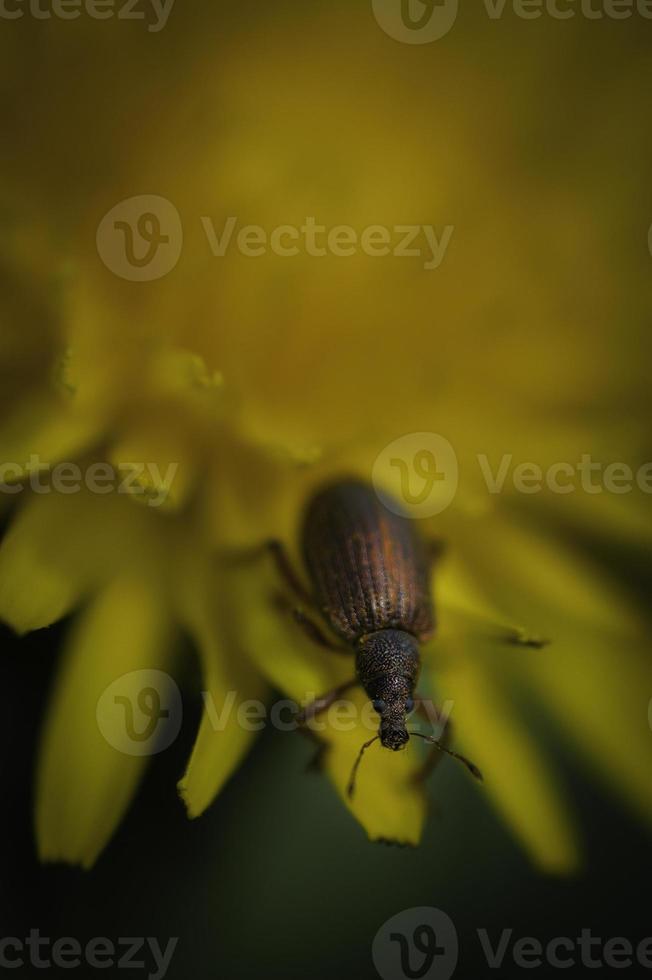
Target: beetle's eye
[409, 705]
[378, 705]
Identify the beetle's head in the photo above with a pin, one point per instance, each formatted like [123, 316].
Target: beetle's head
[388, 667]
[393, 737]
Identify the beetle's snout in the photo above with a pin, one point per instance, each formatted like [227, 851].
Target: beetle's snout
[394, 738]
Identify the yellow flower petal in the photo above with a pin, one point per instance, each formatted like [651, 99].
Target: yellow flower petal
[229, 681]
[84, 783]
[160, 459]
[387, 803]
[456, 591]
[626, 518]
[59, 547]
[40, 578]
[595, 676]
[43, 430]
[516, 777]
[598, 686]
[530, 577]
[30, 307]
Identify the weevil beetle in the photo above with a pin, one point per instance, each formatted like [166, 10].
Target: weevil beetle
[370, 575]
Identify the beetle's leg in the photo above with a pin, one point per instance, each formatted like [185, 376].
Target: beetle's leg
[324, 701]
[280, 557]
[286, 571]
[315, 633]
[310, 627]
[284, 566]
[311, 711]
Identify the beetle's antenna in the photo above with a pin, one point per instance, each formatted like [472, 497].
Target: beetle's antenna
[473, 769]
[350, 789]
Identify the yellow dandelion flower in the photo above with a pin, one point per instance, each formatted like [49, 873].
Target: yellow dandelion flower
[352, 264]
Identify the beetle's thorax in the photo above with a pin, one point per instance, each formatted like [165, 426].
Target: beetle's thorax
[388, 667]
